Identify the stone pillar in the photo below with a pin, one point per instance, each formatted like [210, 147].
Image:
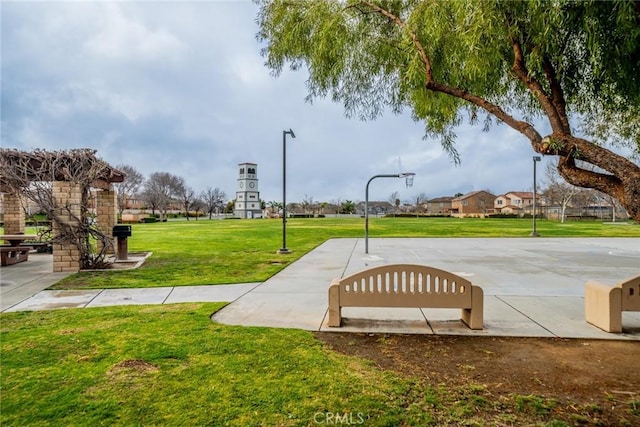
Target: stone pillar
[68, 199]
[107, 214]
[13, 214]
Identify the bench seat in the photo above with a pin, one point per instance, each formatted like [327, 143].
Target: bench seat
[604, 304]
[406, 285]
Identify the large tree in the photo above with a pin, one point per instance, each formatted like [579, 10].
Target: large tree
[570, 66]
[187, 196]
[160, 189]
[213, 199]
[129, 187]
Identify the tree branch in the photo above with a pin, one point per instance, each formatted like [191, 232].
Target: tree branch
[557, 94]
[580, 177]
[423, 54]
[534, 86]
[523, 127]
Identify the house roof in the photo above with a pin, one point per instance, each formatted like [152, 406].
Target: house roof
[521, 194]
[473, 193]
[442, 199]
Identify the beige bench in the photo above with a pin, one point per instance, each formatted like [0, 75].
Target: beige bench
[406, 285]
[603, 304]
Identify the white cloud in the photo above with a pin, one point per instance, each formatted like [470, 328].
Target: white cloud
[122, 38]
[181, 87]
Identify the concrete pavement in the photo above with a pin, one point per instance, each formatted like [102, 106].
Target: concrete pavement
[532, 287]
[23, 280]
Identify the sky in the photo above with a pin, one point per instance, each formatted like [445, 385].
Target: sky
[181, 87]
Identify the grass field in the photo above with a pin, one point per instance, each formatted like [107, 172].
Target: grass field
[171, 365]
[239, 251]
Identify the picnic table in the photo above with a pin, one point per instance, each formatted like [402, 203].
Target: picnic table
[15, 253]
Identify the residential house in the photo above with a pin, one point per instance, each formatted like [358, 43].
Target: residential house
[476, 203]
[376, 208]
[439, 205]
[515, 202]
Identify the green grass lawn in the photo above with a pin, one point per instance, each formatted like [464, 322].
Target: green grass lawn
[237, 251]
[170, 365]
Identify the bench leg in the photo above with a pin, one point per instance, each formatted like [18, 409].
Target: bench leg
[603, 306]
[23, 254]
[14, 255]
[9, 257]
[335, 311]
[474, 317]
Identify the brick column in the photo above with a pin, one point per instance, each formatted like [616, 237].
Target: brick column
[13, 214]
[67, 197]
[107, 211]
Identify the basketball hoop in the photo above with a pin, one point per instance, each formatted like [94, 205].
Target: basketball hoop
[409, 181]
[408, 178]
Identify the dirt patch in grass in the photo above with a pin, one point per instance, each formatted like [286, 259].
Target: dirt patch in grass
[134, 365]
[591, 382]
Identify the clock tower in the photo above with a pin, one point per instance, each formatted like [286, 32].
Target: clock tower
[247, 194]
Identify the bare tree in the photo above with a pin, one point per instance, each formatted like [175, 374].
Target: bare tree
[322, 206]
[187, 197]
[394, 199]
[198, 205]
[129, 187]
[31, 174]
[213, 200]
[160, 189]
[421, 199]
[557, 190]
[338, 204]
[615, 205]
[307, 204]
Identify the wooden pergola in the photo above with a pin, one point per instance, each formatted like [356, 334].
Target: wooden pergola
[62, 180]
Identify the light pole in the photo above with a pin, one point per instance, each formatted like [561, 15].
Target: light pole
[284, 249]
[534, 233]
[366, 203]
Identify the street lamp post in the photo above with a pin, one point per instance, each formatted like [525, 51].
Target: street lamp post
[366, 203]
[284, 249]
[534, 233]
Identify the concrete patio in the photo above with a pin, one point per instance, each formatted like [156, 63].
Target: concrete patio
[533, 287]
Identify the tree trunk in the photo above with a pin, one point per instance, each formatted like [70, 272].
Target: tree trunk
[619, 177]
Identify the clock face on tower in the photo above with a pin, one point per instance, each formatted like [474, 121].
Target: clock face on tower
[252, 184]
[241, 184]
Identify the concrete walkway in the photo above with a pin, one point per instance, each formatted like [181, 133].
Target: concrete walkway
[533, 287]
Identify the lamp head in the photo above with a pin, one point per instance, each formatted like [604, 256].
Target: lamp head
[290, 132]
[536, 158]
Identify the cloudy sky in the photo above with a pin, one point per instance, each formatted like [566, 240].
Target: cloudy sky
[180, 87]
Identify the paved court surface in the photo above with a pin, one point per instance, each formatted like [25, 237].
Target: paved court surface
[532, 287]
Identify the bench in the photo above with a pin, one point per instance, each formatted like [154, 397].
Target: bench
[406, 285]
[10, 255]
[603, 304]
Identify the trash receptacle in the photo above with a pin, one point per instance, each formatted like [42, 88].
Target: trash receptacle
[121, 232]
